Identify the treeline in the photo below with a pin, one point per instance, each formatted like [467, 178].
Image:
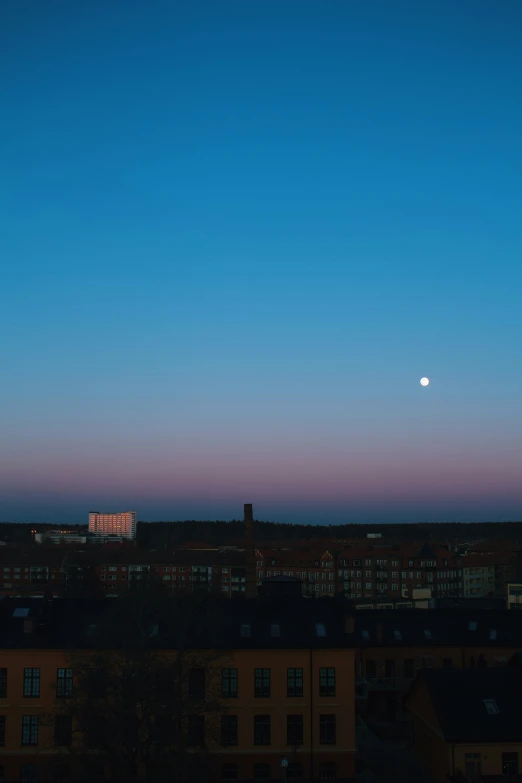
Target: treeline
[170, 534]
[167, 535]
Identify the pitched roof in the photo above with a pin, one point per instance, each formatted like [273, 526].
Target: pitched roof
[459, 695]
[218, 624]
[438, 628]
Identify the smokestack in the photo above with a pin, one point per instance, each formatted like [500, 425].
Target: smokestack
[250, 553]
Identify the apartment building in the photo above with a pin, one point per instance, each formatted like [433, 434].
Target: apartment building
[122, 523]
[394, 572]
[181, 572]
[315, 568]
[285, 679]
[31, 570]
[465, 725]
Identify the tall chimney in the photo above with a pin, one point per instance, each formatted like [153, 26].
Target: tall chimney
[250, 553]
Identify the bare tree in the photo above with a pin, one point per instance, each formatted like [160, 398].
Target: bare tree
[143, 702]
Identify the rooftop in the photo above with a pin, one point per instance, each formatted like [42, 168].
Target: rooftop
[476, 705]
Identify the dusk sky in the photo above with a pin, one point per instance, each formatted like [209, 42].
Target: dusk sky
[233, 238]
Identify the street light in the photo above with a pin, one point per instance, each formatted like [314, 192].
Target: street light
[284, 767]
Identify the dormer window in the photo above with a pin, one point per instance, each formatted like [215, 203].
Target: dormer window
[320, 629]
[397, 636]
[366, 636]
[491, 706]
[492, 635]
[275, 630]
[245, 631]
[472, 626]
[427, 634]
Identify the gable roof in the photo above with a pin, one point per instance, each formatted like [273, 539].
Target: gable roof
[458, 697]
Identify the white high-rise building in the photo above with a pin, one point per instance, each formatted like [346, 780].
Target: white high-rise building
[120, 524]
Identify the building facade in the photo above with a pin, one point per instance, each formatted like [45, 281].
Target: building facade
[115, 524]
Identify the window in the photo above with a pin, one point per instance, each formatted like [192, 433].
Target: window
[63, 730]
[31, 683]
[294, 682]
[447, 663]
[27, 773]
[261, 729]
[2, 731]
[472, 765]
[196, 730]
[510, 765]
[229, 772]
[261, 772]
[64, 683]
[294, 729]
[229, 683]
[196, 683]
[491, 706]
[320, 629]
[30, 730]
[262, 682]
[327, 729]
[229, 729]
[328, 770]
[3, 683]
[409, 668]
[327, 682]
[371, 669]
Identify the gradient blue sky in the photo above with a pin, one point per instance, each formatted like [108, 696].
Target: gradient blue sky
[234, 235]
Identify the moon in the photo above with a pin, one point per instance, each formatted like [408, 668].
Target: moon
[424, 381]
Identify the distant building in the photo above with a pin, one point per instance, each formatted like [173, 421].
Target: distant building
[118, 524]
[479, 579]
[61, 537]
[514, 596]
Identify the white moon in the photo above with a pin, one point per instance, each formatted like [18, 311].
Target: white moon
[424, 381]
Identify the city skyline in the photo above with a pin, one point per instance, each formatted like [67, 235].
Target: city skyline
[236, 237]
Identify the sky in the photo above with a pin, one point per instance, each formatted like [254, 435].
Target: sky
[235, 235]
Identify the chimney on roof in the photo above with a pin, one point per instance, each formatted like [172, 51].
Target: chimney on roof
[349, 624]
[250, 552]
[28, 625]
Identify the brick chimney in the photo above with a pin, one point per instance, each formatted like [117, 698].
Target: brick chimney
[349, 624]
[250, 553]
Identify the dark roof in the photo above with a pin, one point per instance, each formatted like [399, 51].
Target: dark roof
[458, 696]
[214, 623]
[133, 556]
[25, 557]
[438, 628]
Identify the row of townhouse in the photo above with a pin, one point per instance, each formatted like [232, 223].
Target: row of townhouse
[360, 574]
[392, 572]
